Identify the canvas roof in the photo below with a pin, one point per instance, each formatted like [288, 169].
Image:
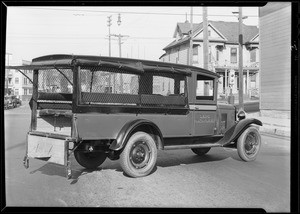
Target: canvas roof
[131, 65]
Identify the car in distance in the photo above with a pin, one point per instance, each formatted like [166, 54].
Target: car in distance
[12, 101]
[126, 110]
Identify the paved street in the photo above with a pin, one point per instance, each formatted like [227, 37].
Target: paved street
[181, 178]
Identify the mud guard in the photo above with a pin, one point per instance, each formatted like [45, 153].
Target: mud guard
[128, 129]
[235, 131]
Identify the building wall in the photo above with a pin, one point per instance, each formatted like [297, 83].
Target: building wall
[224, 55]
[275, 56]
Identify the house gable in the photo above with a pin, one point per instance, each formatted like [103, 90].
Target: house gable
[214, 34]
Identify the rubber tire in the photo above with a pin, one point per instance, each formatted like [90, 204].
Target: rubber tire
[241, 144]
[125, 162]
[201, 151]
[90, 160]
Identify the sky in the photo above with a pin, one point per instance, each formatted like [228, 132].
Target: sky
[37, 31]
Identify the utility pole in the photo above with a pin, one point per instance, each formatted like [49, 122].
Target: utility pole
[119, 23]
[120, 53]
[120, 49]
[205, 38]
[109, 52]
[241, 77]
[205, 48]
[119, 41]
[109, 24]
[241, 74]
[190, 62]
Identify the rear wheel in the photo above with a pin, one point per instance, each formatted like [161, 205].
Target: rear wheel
[90, 160]
[201, 151]
[248, 144]
[139, 155]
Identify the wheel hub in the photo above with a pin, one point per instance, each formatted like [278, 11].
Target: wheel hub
[251, 144]
[139, 155]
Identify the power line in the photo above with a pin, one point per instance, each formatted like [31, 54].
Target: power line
[124, 12]
[80, 37]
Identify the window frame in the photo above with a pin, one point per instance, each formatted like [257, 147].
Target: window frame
[213, 100]
[253, 55]
[232, 55]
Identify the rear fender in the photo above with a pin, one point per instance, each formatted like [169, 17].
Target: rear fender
[129, 128]
[235, 131]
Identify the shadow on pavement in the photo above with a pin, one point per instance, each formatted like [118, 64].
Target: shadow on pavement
[23, 144]
[165, 159]
[58, 170]
[211, 156]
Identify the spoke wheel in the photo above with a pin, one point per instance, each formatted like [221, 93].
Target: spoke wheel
[201, 151]
[139, 155]
[89, 160]
[249, 144]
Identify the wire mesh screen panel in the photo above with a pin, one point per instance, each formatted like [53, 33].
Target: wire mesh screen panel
[165, 90]
[108, 86]
[103, 85]
[55, 88]
[55, 81]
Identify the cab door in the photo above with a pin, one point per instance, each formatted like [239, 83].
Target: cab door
[205, 105]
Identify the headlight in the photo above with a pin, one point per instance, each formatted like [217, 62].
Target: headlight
[241, 115]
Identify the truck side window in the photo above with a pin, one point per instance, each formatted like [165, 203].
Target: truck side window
[205, 88]
[166, 86]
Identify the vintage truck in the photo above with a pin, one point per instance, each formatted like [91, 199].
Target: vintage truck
[104, 107]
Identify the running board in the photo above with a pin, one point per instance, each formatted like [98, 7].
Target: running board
[192, 146]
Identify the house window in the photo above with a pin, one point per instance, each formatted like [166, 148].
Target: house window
[178, 51]
[233, 55]
[253, 55]
[30, 91]
[25, 81]
[209, 54]
[25, 91]
[195, 54]
[217, 54]
[16, 91]
[17, 80]
[209, 33]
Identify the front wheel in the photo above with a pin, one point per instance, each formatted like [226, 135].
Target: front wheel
[248, 144]
[139, 155]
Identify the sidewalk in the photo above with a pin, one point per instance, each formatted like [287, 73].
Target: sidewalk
[274, 126]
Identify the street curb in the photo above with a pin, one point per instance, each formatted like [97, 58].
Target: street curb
[277, 131]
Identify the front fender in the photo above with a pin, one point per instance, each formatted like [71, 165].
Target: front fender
[235, 131]
[129, 128]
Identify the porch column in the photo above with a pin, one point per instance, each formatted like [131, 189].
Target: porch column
[220, 86]
[226, 82]
[248, 83]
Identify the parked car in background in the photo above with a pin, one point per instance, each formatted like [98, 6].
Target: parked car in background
[16, 101]
[6, 102]
[12, 102]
